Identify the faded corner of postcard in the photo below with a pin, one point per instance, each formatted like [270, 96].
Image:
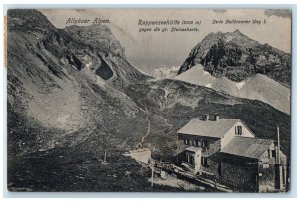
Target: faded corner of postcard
[149, 100]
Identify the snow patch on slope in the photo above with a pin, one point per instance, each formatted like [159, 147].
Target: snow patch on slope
[165, 72]
[208, 85]
[240, 84]
[259, 87]
[88, 65]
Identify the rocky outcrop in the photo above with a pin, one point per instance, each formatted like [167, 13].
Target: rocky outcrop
[237, 57]
[96, 35]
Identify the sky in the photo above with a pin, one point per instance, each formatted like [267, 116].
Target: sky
[150, 50]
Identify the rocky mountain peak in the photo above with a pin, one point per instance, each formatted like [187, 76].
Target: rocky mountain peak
[27, 20]
[237, 31]
[238, 57]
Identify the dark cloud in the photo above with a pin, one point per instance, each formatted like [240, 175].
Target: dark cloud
[219, 10]
[284, 13]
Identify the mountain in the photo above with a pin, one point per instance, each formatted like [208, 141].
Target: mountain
[165, 72]
[72, 95]
[258, 87]
[58, 86]
[237, 57]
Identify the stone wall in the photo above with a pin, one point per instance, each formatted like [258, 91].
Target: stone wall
[241, 171]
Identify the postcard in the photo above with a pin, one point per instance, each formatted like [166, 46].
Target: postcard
[149, 100]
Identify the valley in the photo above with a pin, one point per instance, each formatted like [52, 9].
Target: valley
[72, 95]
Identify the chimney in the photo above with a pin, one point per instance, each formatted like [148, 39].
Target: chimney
[278, 145]
[217, 117]
[206, 117]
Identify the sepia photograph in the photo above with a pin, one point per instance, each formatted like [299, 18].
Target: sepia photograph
[149, 100]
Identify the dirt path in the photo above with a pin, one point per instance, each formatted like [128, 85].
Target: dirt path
[148, 120]
[148, 130]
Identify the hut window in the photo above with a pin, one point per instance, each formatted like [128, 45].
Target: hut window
[238, 130]
[273, 153]
[192, 160]
[206, 145]
[187, 157]
[197, 143]
[204, 161]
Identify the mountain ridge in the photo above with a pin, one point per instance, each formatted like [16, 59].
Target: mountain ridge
[257, 87]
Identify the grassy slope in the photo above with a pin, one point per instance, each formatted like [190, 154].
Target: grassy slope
[67, 170]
